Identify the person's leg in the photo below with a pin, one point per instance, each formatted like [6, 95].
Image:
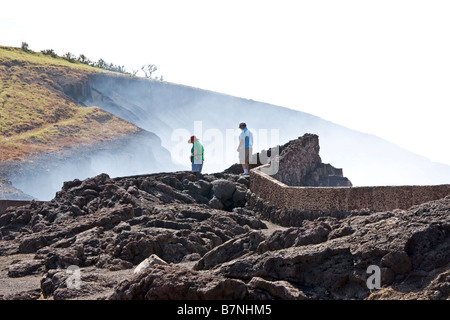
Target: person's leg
[197, 167]
[250, 157]
[247, 160]
[242, 158]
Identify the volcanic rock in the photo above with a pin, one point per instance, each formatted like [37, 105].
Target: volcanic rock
[223, 189]
[194, 236]
[116, 224]
[298, 164]
[277, 289]
[170, 282]
[24, 268]
[153, 259]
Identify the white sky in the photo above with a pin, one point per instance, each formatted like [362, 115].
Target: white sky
[381, 67]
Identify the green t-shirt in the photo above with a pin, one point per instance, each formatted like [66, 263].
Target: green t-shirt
[197, 146]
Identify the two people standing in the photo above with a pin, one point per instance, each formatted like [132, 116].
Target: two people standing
[245, 150]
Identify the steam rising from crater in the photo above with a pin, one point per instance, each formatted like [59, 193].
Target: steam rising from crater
[171, 111]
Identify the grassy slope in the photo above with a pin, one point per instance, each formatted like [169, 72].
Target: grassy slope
[36, 116]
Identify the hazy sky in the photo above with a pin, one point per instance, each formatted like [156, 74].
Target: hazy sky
[381, 67]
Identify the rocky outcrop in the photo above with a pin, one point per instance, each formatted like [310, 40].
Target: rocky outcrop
[298, 164]
[326, 259]
[163, 226]
[185, 235]
[9, 192]
[115, 224]
[169, 204]
[230, 250]
[24, 268]
[178, 283]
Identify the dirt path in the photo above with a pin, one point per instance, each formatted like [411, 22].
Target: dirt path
[32, 283]
[271, 228]
[11, 286]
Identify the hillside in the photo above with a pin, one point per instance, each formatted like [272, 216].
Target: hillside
[46, 137]
[37, 117]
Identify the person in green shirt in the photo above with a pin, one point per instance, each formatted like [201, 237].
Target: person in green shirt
[197, 154]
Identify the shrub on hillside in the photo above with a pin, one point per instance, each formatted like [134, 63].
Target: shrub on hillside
[69, 57]
[25, 47]
[83, 59]
[50, 52]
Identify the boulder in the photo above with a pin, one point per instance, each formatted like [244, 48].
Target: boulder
[171, 282]
[215, 203]
[277, 289]
[244, 180]
[63, 285]
[223, 189]
[230, 250]
[150, 261]
[32, 243]
[239, 196]
[25, 268]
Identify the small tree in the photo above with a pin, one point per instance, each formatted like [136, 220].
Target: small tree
[101, 64]
[50, 52]
[83, 59]
[121, 69]
[149, 70]
[69, 57]
[25, 47]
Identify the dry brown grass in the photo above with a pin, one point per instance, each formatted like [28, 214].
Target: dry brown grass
[35, 114]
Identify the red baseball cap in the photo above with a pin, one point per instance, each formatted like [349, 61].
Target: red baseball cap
[192, 139]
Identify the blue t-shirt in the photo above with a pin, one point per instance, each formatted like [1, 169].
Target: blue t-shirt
[247, 136]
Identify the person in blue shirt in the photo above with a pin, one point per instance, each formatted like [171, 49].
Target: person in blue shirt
[245, 147]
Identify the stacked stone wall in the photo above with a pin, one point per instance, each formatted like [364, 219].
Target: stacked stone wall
[5, 204]
[342, 199]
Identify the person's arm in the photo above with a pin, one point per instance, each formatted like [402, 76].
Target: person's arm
[241, 141]
[195, 149]
[193, 152]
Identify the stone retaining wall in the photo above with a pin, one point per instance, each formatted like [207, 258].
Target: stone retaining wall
[342, 199]
[5, 204]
